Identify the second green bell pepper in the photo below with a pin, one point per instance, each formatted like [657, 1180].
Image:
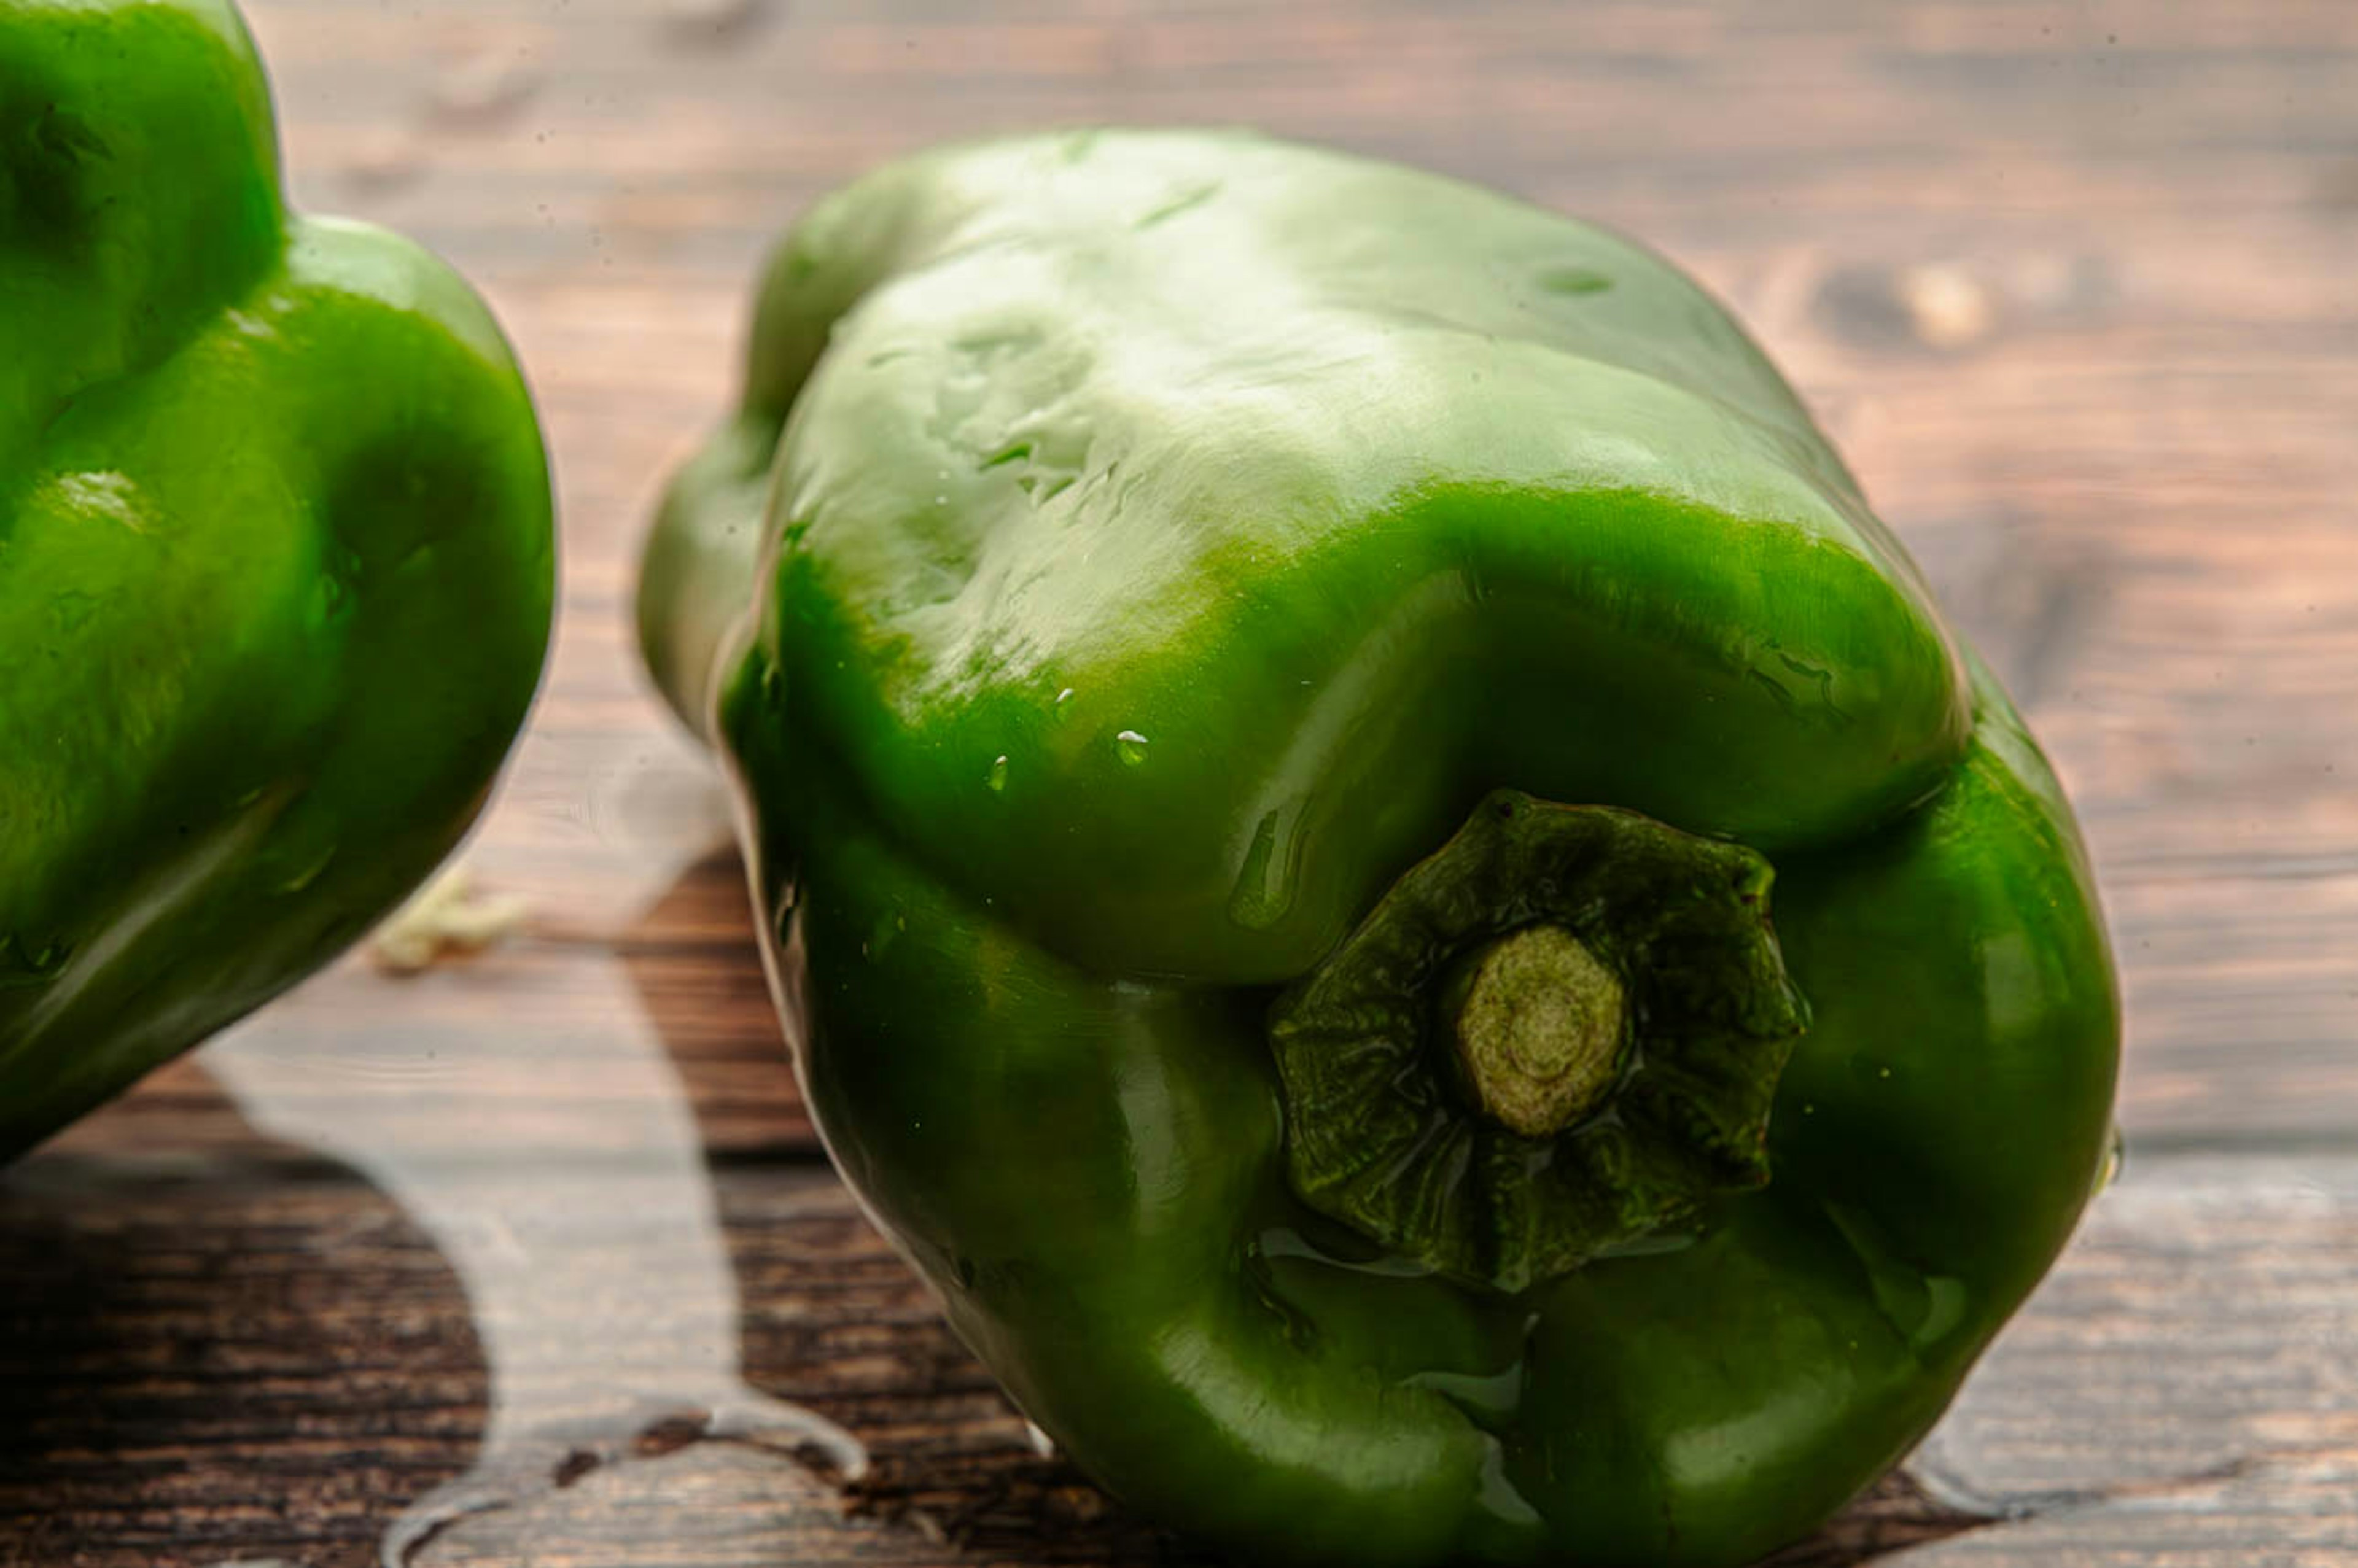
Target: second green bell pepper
[1372, 859]
[277, 559]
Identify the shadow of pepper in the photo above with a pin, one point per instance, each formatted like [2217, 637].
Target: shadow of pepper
[175, 1325]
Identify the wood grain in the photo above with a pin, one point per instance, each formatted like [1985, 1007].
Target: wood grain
[2071, 284]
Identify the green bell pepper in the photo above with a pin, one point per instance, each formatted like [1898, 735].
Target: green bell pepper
[276, 561]
[1272, 696]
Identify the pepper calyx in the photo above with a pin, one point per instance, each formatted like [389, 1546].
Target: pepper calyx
[1556, 1037]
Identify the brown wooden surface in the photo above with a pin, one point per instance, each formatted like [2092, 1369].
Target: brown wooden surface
[2075, 285]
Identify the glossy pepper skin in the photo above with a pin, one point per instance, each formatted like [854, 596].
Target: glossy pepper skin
[1136, 561]
[276, 554]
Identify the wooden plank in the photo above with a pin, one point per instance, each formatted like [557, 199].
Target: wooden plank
[2072, 287]
[197, 1370]
[2182, 1392]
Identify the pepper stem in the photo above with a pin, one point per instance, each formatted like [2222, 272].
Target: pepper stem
[1540, 1024]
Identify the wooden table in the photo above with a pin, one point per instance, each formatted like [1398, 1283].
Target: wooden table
[488, 1262]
